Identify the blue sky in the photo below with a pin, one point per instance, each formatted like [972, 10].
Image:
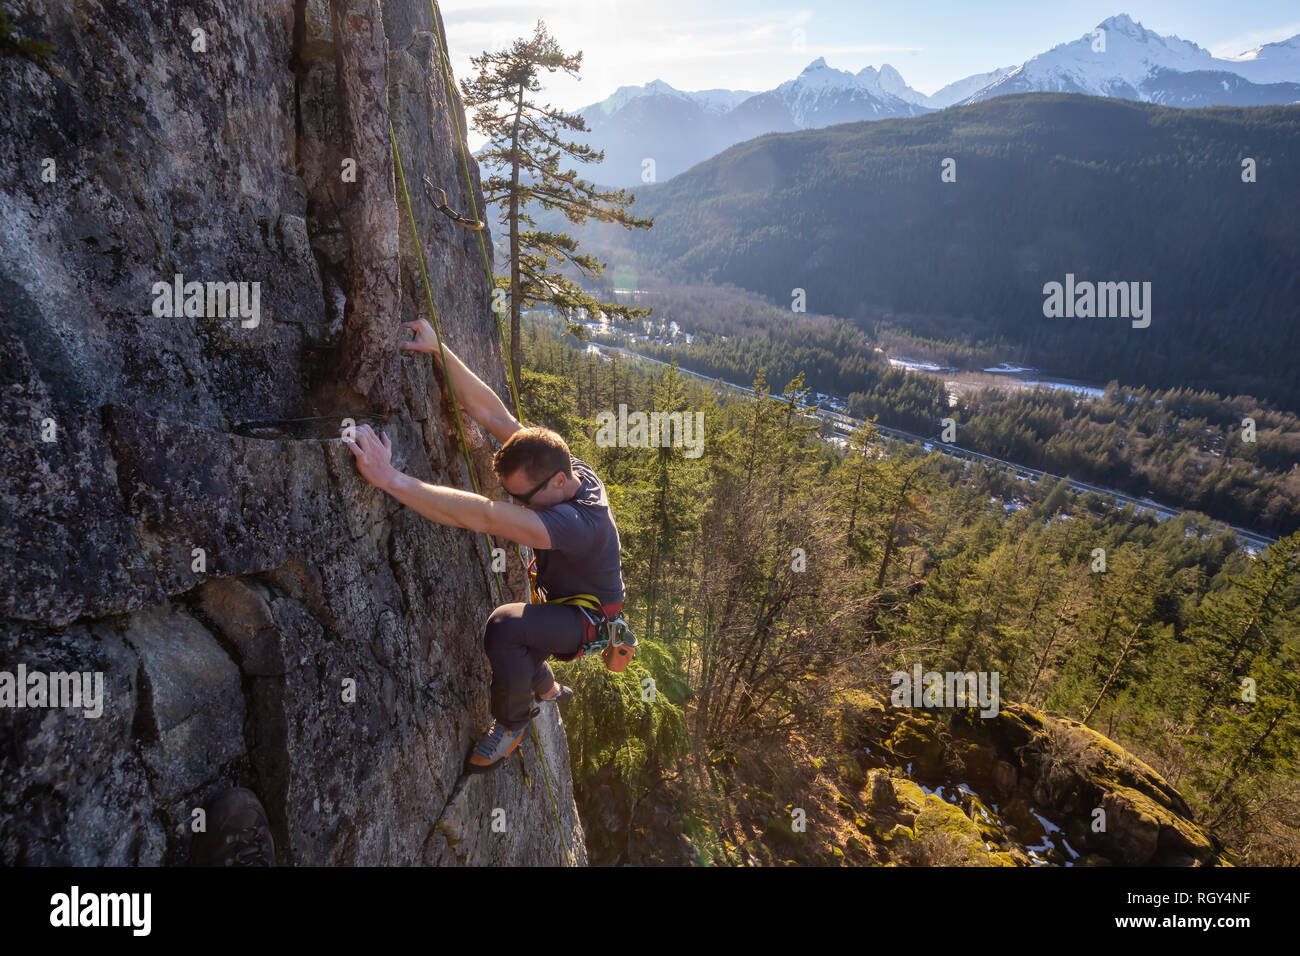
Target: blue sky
[753, 45]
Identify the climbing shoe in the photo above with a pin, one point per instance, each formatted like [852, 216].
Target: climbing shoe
[237, 832]
[565, 694]
[494, 747]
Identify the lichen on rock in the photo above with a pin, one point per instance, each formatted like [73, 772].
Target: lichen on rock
[231, 588]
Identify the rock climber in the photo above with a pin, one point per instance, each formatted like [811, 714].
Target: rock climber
[562, 513]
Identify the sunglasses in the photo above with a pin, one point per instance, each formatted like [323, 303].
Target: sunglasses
[524, 499]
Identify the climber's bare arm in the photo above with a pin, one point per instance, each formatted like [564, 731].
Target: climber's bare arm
[449, 506]
[472, 393]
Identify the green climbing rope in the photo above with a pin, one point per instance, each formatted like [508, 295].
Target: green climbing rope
[510, 377]
[505, 350]
[473, 203]
[433, 316]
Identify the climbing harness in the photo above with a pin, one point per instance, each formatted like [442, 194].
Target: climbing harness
[611, 636]
[442, 207]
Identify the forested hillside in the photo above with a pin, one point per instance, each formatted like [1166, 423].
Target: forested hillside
[770, 674]
[858, 217]
[1183, 447]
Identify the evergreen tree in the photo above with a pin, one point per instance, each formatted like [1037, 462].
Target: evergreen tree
[526, 141]
[1243, 625]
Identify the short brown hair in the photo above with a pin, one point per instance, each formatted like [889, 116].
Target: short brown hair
[539, 451]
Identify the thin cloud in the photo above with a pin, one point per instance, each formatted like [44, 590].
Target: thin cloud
[674, 46]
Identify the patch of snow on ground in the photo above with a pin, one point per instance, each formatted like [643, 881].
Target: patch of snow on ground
[1048, 825]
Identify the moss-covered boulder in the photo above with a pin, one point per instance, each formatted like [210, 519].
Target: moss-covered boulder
[986, 822]
[1138, 828]
[943, 825]
[898, 836]
[917, 741]
[880, 791]
[910, 797]
[1023, 778]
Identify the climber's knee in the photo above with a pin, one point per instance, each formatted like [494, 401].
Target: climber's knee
[494, 632]
[500, 631]
[495, 622]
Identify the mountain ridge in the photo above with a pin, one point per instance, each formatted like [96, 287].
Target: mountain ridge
[676, 128]
[857, 215]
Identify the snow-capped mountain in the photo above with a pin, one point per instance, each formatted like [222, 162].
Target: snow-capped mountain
[822, 95]
[1271, 63]
[721, 101]
[891, 81]
[716, 101]
[1122, 58]
[677, 129]
[964, 89]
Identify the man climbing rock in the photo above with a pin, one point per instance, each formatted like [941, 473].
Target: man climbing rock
[562, 514]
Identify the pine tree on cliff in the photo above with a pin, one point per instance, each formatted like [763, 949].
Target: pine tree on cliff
[525, 144]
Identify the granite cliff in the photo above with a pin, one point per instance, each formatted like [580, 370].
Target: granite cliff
[260, 615]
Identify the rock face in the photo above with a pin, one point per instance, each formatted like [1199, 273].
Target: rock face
[260, 615]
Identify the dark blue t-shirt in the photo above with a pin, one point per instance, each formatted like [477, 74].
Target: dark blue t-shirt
[584, 553]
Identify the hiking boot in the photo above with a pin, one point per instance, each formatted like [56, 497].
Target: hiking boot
[494, 747]
[238, 833]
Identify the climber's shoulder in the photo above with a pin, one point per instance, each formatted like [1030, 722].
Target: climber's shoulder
[502, 425]
[516, 523]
